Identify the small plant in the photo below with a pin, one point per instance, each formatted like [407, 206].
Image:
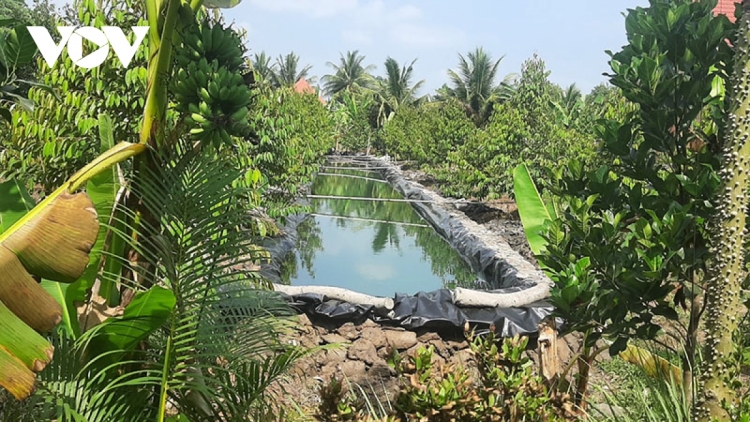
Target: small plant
[506, 390]
[339, 403]
[336, 404]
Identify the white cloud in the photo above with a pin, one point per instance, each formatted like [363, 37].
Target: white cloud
[364, 20]
[408, 12]
[314, 8]
[357, 36]
[419, 35]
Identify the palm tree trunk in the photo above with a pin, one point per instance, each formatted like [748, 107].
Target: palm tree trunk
[726, 271]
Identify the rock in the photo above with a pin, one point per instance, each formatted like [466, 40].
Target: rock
[334, 356]
[333, 338]
[401, 340]
[363, 350]
[462, 358]
[369, 323]
[457, 345]
[304, 320]
[327, 372]
[441, 348]
[353, 369]
[349, 331]
[385, 352]
[375, 335]
[381, 369]
[429, 337]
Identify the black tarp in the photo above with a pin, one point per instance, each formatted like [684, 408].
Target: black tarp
[501, 268]
[433, 310]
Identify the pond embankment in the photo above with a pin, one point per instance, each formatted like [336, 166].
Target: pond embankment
[363, 344]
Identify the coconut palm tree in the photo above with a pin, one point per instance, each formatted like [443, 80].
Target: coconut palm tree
[568, 105]
[350, 75]
[396, 89]
[262, 65]
[473, 83]
[286, 73]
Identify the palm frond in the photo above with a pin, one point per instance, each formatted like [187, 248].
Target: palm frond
[220, 340]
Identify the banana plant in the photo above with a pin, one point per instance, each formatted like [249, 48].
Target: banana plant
[51, 241]
[531, 208]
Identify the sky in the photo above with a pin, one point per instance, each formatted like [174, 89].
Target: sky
[570, 36]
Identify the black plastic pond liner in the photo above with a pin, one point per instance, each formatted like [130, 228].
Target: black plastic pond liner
[429, 310]
[503, 271]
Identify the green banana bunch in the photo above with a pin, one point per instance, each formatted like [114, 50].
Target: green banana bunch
[208, 84]
[212, 43]
[221, 109]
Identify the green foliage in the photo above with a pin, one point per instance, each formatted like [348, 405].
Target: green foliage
[349, 75]
[631, 243]
[286, 73]
[290, 133]
[47, 145]
[534, 96]
[507, 391]
[17, 49]
[428, 133]
[473, 84]
[203, 338]
[482, 167]
[640, 397]
[517, 125]
[533, 211]
[396, 89]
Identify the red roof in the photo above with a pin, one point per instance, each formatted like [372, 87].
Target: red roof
[726, 7]
[303, 87]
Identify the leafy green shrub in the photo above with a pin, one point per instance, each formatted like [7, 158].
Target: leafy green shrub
[507, 389]
[290, 134]
[428, 133]
[59, 136]
[482, 166]
[630, 247]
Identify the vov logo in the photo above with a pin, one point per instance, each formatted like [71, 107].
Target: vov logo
[107, 36]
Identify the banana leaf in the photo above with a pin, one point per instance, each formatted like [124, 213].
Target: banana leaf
[531, 208]
[51, 241]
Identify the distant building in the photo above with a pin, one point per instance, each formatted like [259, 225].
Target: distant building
[726, 7]
[304, 87]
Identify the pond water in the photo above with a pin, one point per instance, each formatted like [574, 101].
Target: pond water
[373, 247]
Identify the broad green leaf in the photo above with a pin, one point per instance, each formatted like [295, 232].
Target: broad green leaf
[18, 48]
[531, 208]
[103, 189]
[67, 295]
[147, 312]
[221, 4]
[15, 202]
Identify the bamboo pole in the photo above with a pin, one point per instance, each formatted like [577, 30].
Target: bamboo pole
[343, 217]
[362, 198]
[353, 177]
[383, 304]
[355, 168]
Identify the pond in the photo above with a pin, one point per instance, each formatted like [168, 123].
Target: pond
[373, 247]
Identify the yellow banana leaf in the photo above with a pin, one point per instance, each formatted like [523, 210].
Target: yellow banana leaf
[652, 364]
[52, 241]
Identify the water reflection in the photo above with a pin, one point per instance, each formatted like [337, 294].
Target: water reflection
[373, 247]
